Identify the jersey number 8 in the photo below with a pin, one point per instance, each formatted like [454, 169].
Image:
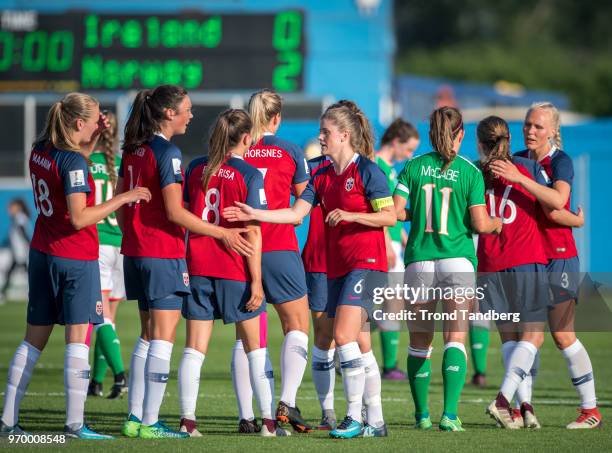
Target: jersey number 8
[212, 206]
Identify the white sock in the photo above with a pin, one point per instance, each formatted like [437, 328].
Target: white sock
[324, 376]
[242, 382]
[259, 381]
[157, 371]
[581, 372]
[518, 366]
[19, 375]
[372, 391]
[136, 382]
[189, 381]
[294, 358]
[76, 380]
[524, 392]
[353, 378]
[506, 350]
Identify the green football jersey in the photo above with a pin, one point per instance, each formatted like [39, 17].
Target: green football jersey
[439, 204]
[395, 232]
[108, 230]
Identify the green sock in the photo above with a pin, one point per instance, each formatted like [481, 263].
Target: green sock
[479, 343]
[109, 343]
[454, 367]
[99, 362]
[419, 376]
[389, 342]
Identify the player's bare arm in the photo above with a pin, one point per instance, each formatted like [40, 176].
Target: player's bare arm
[82, 216]
[253, 235]
[552, 198]
[244, 213]
[385, 217]
[565, 217]
[482, 223]
[176, 213]
[403, 215]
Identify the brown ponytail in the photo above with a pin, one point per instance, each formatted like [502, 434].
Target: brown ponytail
[108, 144]
[225, 135]
[494, 136]
[348, 117]
[445, 124]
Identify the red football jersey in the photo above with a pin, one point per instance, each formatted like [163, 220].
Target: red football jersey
[148, 232]
[314, 253]
[282, 164]
[236, 180]
[558, 240]
[351, 245]
[55, 174]
[520, 241]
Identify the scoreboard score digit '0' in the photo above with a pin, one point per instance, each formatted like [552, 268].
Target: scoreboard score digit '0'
[99, 51]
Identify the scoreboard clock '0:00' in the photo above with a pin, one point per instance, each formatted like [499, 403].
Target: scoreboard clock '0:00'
[94, 51]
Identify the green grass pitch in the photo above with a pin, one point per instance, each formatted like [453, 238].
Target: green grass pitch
[554, 399]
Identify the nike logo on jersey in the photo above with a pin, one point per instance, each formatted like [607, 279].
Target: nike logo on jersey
[454, 368]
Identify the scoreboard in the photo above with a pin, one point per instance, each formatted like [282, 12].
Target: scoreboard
[80, 50]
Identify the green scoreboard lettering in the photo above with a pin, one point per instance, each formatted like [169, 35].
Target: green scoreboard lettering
[95, 51]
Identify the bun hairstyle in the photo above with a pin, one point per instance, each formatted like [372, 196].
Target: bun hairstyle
[148, 113]
[263, 106]
[108, 143]
[555, 117]
[62, 117]
[400, 129]
[494, 137]
[225, 135]
[349, 118]
[445, 124]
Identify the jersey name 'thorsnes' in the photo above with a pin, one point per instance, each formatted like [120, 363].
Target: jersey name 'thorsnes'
[55, 174]
[108, 229]
[236, 180]
[282, 164]
[439, 203]
[520, 241]
[148, 232]
[558, 240]
[313, 255]
[362, 187]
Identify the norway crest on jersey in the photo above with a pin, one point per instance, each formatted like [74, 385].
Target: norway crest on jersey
[349, 184]
[186, 278]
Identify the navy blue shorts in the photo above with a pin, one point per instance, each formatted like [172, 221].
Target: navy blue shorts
[519, 289]
[564, 279]
[216, 298]
[316, 282]
[63, 290]
[283, 276]
[157, 283]
[355, 288]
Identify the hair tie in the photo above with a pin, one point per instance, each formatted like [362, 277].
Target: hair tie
[458, 128]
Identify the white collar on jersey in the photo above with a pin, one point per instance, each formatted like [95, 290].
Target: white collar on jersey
[552, 151]
[162, 136]
[353, 160]
[267, 133]
[236, 156]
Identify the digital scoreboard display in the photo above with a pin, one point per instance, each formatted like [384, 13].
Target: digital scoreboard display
[98, 51]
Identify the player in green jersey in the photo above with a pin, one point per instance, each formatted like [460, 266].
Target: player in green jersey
[447, 205]
[397, 144]
[107, 350]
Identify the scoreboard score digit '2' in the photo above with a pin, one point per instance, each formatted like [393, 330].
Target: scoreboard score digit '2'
[99, 51]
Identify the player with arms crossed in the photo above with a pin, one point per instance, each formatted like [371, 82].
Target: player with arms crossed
[446, 194]
[284, 170]
[107, 351]
[513, 274]
[542, 134]
[357, 206]
[63, 273]
[154, 247]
